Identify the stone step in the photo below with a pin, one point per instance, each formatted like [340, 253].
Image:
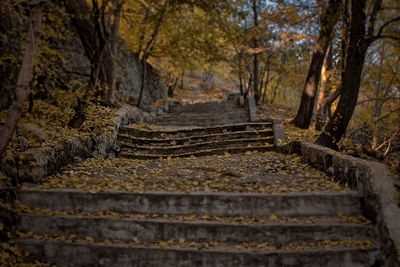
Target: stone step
[98, 254]
[209, 113]
[197, 153]
[201, 119]
[198, 107]
[196, 131]
[196, 147]
[193, 139]
[153, 230]
[203, 122]
[198, 203]
[220, 110]
[200, 124]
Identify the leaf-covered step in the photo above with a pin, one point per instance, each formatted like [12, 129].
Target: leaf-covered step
[195, 131]
[160, 229]
[181, 140]
[209, 114]
[197, 153]
[181, 253]
[204, 121]
[180, 149]
[200, 107]
[206, 113]
[198, 203]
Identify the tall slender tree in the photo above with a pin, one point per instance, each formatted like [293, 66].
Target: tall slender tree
[22, 88]
[255, 46]
[150, 44]
[324, 91]
[328, 20]
[363, 33]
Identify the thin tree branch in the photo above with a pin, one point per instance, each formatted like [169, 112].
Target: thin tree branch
[371, 25]
[384, 25]
[374, 99]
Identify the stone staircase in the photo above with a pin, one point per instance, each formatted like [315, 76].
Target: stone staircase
[236, 138]
[200, 129]
[196, 229]
[205, 114]
[225, 219]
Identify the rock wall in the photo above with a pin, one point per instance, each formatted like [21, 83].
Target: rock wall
[62, 60]
[130, 78]
[33, 165]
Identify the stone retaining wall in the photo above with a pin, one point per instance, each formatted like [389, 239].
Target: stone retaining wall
[35, 164]
[372, 179]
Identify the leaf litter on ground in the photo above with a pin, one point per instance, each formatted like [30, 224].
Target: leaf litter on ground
[252, 172]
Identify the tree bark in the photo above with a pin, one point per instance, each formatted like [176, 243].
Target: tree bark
[182, 76]
[328, 21]
[149, 46]
[92, 28]
[171, 86]
[255, 62]
[22, 89]
[274, 91]
[240, 71]
[357, 49]
[108, 98]
[324, 91]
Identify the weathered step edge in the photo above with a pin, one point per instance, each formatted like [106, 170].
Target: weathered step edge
[203, 115]
[179, 140]
[201, 123]
[211, 129]
[152, 230]
[200, 145]
[218, 204]
[78, 254]
[200, 153]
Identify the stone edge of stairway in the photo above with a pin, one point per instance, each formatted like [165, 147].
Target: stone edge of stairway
[372, 179]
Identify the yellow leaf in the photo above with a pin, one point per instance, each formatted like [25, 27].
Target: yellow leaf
[273, 217]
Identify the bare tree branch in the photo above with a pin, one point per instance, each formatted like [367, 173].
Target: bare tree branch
[384, 25]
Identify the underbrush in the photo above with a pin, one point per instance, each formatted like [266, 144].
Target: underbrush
[346, 146]
[47, 125]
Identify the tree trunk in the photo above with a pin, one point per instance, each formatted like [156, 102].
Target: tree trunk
[171, 86]
[378, 102]
[324, 91]
[92, 28]
[268, 70]
[22, 89]
[357, 49]
[241, 84]
[255, 62]
[182, 76]
[240, 71]
[278, 81]
[149, 46]
[108, 98]
[328, 21]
